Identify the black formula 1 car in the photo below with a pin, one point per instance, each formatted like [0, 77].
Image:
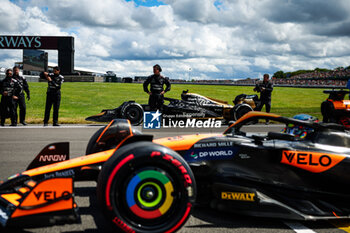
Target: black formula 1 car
[243, 104]
[151, 186]
[190, 105]
[336, 109]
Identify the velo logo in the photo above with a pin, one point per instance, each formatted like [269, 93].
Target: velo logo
[152, 120]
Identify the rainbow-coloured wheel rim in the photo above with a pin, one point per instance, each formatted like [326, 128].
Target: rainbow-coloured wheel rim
[149, 194]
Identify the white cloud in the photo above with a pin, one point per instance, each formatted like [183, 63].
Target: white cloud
[262, 62]
[234, 39]
[11, 15]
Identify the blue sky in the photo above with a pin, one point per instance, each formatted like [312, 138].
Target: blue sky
[147, 3]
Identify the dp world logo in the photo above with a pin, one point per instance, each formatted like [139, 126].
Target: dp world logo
[151, 120]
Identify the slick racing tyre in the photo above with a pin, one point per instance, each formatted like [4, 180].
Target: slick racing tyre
[240, 110]
[133, 112]
[91, 146]
[145, 187]
[327, 110]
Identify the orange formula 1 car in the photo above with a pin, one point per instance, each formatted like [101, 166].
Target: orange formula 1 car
[151, 186]
[336, 109]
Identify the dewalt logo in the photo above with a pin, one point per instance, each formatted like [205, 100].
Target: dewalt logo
[237, 196]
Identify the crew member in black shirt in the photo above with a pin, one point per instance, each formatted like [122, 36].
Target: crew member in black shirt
[156, 93]
[265, 88]
[21, 102]
[53, 95]
[10, 91]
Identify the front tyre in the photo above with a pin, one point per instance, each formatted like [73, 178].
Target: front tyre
[327, 110]
[133, 112]
[145, 187]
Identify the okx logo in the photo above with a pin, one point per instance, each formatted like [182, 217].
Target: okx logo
[151, 120]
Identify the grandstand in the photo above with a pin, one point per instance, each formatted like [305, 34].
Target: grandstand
[316, 78]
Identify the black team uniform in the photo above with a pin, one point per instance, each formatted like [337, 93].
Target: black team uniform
[265, 95]
[21, 102]
[53, 97]
[157, 82]
[8, 104]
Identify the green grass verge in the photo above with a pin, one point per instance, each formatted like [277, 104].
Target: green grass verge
[80, 100]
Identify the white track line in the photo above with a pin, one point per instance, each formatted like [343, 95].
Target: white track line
[298, 227]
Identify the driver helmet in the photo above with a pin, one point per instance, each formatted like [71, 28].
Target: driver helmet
[299, 130]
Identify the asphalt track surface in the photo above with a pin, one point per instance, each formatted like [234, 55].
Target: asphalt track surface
[18, 146]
